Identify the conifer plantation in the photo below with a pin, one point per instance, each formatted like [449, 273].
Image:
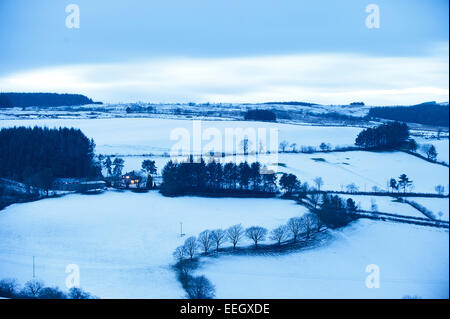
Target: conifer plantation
[51, 153]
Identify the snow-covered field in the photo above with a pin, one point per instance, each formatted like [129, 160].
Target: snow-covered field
[385, 204]
[365, 169]
[122, 242]
[442, 147]
[412, 260]
[136, 136]
[435, 205]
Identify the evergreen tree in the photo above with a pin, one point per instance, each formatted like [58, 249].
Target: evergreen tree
[107, 163]
[404, 182]
[118, 165]
[431, 153]
[244, 175]
[65, 152]
[385, 136]
[149, 167]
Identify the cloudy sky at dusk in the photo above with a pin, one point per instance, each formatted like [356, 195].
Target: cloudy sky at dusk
[228, 51]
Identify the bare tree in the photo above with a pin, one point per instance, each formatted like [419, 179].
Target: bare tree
[256, 233]
[234, 234]
[314, 198]
[320, 223]
[32, 288]
[8, 288]
[309, 223]
[440, 189]
[205, 240]
[352, 188]
[279, 234]
[283, 146]
[319, 182]
[180, 252]
[294, 147]
[373, 205]
[295, 227]
[56, 293]
[186, 268]
[78, 293]
[218, 236]
[191, 246]
[200, 288]
[246, 145]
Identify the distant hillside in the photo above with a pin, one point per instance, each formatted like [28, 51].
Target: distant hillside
[429, 113]
[292, 103]
[8, 100]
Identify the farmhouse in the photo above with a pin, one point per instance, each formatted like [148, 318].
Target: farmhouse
[132, 179]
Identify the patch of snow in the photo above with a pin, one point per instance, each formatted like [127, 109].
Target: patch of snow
[384, 204]
[435, 205]
[412, 260]
[122, 241]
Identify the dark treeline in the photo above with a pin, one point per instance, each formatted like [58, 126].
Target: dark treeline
[336, 212]
[199, 177]
[35, 289]
[426, 113]
[385, 136]
[38, 155]
[8, 100]
[260, 115]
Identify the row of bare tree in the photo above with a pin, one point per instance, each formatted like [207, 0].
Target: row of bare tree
[209, 240]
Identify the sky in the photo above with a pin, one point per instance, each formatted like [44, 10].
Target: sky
[228, 51]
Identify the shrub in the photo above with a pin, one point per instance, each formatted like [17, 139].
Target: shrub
[200, 288]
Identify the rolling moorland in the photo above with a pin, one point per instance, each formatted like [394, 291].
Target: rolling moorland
[123, 239]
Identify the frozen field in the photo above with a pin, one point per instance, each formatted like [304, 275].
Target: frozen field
[138, 136]
[412, 260]
[435, 205]
[441, 146]
[128, 136]
[122, 242]
[385, 204]
[365, 169]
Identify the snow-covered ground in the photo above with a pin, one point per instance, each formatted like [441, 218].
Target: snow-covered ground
[128, 136]
[412, 260]
[435, 205]
[122, 242]
[137, 136]
[208, 109]
[365, 169]
[441, 145]
[384, 204]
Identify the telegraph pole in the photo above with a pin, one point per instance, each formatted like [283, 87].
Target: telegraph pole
[34, 273]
